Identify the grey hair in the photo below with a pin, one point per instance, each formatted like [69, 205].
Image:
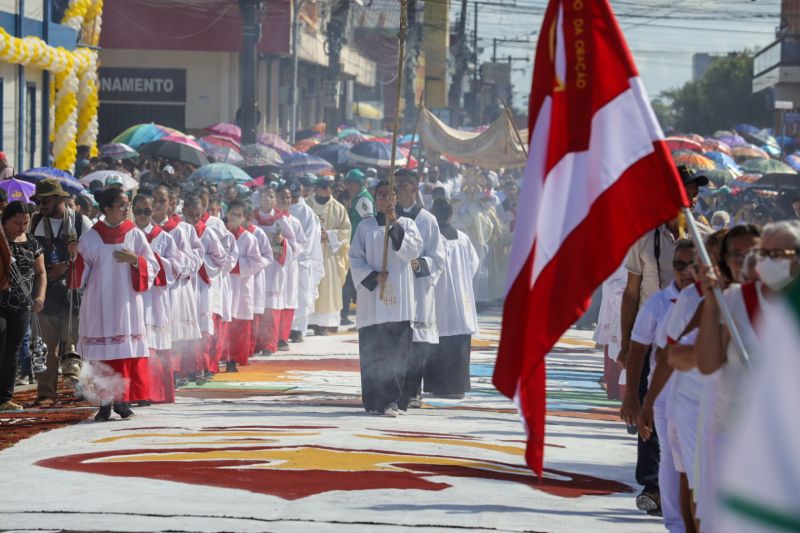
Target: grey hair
[790, 227]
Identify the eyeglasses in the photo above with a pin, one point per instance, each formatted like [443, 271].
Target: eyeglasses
[143, 212]
[776, 254]
[736, 256]
[680, 266]
[124, 206]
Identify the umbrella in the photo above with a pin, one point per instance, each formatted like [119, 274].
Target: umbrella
[748, 152]
[117, 151]
[722, 160]
[18, 190]
[219, 140]
[225, 129]
[274, 141]
[257, 155]
[761, 139]
[715, 145]
[732, 140]
[742, 129]
[127, 180]
[408, 140]
[223, 154]
[682, 143]
[301, 163]
[721, 176]
[772, 150]
[793, 160]
[141, 134]
[182, 139]
[307, 134]
[767, 166]
[68, 183]
[219, 172]
[347, 132]
[305, 144]
[693, 160]
[176, 151]
[355, 138]
[333, 153]
[373, 153]
[778, 182]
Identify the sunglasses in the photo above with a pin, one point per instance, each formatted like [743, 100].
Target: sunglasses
[680, 266]
[143, 212]
[776, 254]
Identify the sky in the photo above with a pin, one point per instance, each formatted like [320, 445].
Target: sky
[662, 34]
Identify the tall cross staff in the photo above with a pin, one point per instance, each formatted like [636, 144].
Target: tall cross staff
[401, 38]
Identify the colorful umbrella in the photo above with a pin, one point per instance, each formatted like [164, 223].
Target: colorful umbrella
[219, 140]
[748, 151]
[373, 153]
[223, 154]
[721, 176]
[274, 141]
[715, 145]
[117, 151]
[767, 166]
[301, 163]
[793, 160]
[772, 150]
[225, 129]
[732, 140]
[141, 134]
[307, 134]
[68, 182]
[176, 151]
[694, 137]
[742, 129]
[355, 138]
[334, 153]
[126, 179]
[18, 190]
[722, 160]
[219, 172]
[682, 143]
[257, 155]
[182, 139]
[693, 160]
[347, 132]
[305, 144]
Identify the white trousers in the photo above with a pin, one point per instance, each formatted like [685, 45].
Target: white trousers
[668, 476]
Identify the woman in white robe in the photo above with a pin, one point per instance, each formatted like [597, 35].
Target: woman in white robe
[300, 248]
[115, 265]
[260, 282]
[384, 313]
[447, 371]
[243, 285]
[157, 304]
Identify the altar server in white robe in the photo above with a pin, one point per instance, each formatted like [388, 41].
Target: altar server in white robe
[447, 370]
[185, 324]
[260, 280]
[221, 297]
[300, 246]
[427, 269]
[214, 261]
[309, 261]
[115, 265]
[157, 304]
[243, 283]
[384, 313]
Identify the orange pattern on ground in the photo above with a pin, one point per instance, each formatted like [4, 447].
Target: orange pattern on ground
[279, 370]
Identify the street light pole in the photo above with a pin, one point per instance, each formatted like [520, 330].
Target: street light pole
[297, 5]
[251, 35]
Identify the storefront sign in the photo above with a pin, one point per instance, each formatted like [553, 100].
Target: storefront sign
[142, 84]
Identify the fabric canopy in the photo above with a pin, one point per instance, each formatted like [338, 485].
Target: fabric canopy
[497, 147]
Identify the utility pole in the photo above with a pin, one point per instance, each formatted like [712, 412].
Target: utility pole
[475, 51]
[251, 35]
[454, 98]
[495, 41]
[336, 38]
[46, 81]
[21, 86]
[414, 39]
[297, 5]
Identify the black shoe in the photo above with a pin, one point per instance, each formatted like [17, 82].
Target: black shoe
[346, 322]
[648, 501]
[230, 366]
[144, 403]
[295, 336]
[208, 375]
[123, 410]
[103, 414]
[283, 346]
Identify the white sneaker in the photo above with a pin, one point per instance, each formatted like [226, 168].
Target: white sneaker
[392, 413]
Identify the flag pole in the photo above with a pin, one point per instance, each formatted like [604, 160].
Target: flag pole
[416, 129]
[401, 45]
[516, 131]
[736, 337]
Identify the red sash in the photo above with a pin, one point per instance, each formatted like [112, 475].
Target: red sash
[251, 228]
[161, 279]
[114, 235]
[204, 218]
[751, 303]
[237, 234]
[269, 220]
[200, 228]
[155, 233]
[171, 223]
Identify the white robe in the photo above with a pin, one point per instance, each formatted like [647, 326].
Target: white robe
[185, 326]
[433, 254]
[221, 295]
[112, 324]
[157, 304]
[260, 278]
[309, 264]
[292, 289]
[454, 294]
[277, 272]
[366, 257]
[243, 282]
[214, 260]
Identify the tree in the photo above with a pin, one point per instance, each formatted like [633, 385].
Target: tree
[722, 97]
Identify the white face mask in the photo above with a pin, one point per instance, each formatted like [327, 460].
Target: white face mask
[775, 273]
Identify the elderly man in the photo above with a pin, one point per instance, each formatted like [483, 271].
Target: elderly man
[335, 240]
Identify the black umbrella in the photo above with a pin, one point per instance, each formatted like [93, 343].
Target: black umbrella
[175, 151]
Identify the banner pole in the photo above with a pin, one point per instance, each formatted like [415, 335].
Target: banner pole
[516, 131]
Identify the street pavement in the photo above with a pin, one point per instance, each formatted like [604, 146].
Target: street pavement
[284, 445]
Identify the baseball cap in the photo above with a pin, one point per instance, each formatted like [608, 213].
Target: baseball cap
[355, 175]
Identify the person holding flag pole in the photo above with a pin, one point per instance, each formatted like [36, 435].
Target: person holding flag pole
[598, 171]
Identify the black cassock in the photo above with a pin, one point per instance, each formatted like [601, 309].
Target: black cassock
[383, 351]
[447, 372]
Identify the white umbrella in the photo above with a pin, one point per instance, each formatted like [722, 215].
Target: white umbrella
[124, 178]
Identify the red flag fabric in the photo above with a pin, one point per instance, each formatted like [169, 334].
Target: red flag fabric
[598, 177]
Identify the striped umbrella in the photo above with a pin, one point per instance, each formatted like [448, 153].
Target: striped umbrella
[117, 151]
[141, 134]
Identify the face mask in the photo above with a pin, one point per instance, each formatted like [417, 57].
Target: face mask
[322, 200]
[775, 273]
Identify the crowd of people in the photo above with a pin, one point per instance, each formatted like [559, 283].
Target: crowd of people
[176, 280]
[682, 373]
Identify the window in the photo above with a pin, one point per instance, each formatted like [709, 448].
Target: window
[30, 123]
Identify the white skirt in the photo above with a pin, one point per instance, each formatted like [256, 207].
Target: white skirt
[185, 326]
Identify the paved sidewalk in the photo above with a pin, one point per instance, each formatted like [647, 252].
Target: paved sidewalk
[284, 445]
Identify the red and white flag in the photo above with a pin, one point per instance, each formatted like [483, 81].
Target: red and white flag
[598, 177]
